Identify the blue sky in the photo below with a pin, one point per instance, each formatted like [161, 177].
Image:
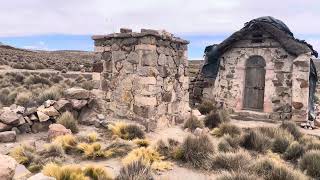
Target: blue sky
[69, 24]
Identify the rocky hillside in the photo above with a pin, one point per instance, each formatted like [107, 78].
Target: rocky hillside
[58, 60]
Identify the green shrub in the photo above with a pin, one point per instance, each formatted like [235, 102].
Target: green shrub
[294, 151]
[254, 140]
[215, 118]
[310, 162]
[231, 161]
[237, 176]
[205, 107]
[227, 128]
[292, 128]
[136, 170]
[68, 121]
[198, 151]
[229, 144]
[193, 123]
[271, 169]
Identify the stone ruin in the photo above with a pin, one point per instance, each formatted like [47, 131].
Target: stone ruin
[145, 76]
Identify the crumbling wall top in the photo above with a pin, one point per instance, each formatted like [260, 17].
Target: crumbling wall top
[127, 33]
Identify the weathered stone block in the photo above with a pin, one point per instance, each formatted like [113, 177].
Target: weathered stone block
[145, 101]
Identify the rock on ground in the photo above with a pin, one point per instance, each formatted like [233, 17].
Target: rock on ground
[41, 176]
[57, 130]
[77, 93]
[9, 117]
[7, 167]
[8, 136]
[21, 173]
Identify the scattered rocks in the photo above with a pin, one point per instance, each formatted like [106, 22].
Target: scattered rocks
[42, 116]
[78, 104]
[4, 127]
[49, 111]
[77, 93]
[9, 117]
[7, 167]
[57, 130]
[8, 136]
[62, 105]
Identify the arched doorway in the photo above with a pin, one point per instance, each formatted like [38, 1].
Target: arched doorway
[254, 83]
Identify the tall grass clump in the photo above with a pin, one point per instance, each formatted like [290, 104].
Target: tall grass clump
[205, 107]
[281, 141]
[229, 144]
[292, 128]
[53, 93]
[231, 161]
[198, 151]
[68, 142]
[271, 169]
[67, 120]
[254, 140]
[127, 131]
[193, 123]
[215, 118]
[310, 163]
[226, 129]
[136, 170]
[23, 98]
[294, 151]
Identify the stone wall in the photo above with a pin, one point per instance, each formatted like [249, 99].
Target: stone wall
[145, 76]
[286, 79]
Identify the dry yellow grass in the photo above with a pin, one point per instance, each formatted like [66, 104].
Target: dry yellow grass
[92, 137]
[149, 157]
[66, 141]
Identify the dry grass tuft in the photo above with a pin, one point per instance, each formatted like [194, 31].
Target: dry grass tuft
[118, 149]
[148, 156]
[136, 170]
[142, 142]
[231, 161]
[92, 137]
[197, 151]
[310, 162]
[54, 150]
[23, 98]
[67, 142]
[67, 120]
[271, 169]
[226, 128]
[292, 128]
[91, 151]
[229, 144]
[97, 173]
[254, 140]
[127, 131]
[294, 151]
[23, 154]
[193, 123]
[215, 118]
[205, 107]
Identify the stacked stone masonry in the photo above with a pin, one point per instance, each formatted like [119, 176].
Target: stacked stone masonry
[144, 76]
[286, 79]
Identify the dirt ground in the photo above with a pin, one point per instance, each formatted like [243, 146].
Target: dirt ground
[179, 171]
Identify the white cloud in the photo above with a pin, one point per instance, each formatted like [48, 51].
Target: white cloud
[29, 17]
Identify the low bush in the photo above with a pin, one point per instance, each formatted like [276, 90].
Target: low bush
[88, 85]
[97, 173]
[281, 141]
[292, 128]
[67, 120]
[92, 137]
[35, 79]
[231, 161]
[237, 176]
[254, 140]
[118, 149]
[198, 151]
[127, 131]
[215, 118]
[23, 154]
[142, 142]
[170, 149]
[53, 150]
[136, 170]
[23, 98]
[68, 142]
[226, 129]
[229, 144]
[53, 93]
[310, 162]
[271, 169]
[294, 151]
[148, 156]
[205, 107]
[91, 151]
[193, 123]
[75, 172]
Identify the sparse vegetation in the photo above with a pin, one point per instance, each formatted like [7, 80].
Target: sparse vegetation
[118, 149]
[198, 151]
[126, 131]
[231, 161]
[68, 121]
[205, 107]
[292, 128]
[192, 123]
[215, 118]
[136, 170]
[148, 156]
[23, 98]
[294, 151]
[91, 151]
[23, 154]
[68, 142]
[254, 140]
[229, 144]
[226, 128]
[53, 93]
[310, 162]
